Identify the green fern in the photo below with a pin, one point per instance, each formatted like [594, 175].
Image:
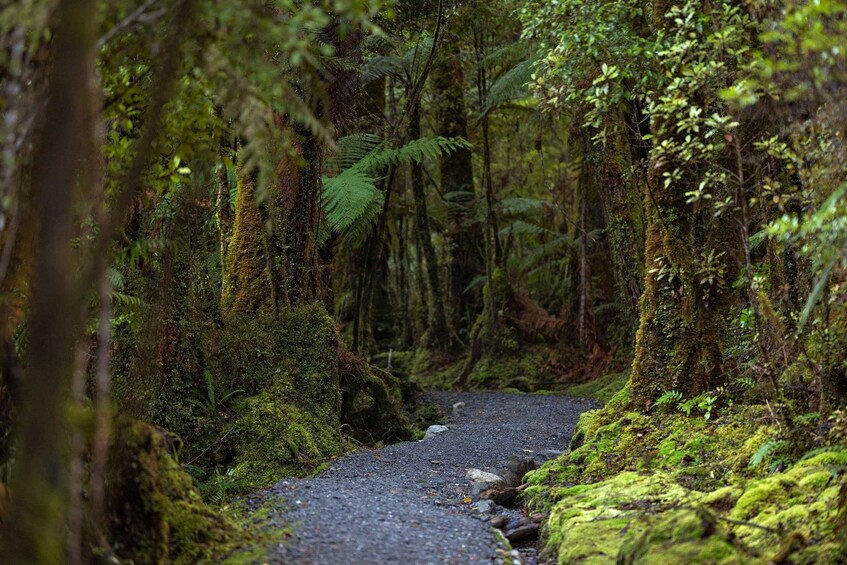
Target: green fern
[353, 148]
[521, 227]
[763, 452]
[669, 398]
[351, 200]
[511, 85]
[417, 150]
[521, 206]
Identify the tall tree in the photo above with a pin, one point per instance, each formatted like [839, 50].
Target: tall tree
[34, 528]
[457, 179]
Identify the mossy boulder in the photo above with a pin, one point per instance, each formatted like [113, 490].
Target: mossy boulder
[274, 438]
[699, 453]
[155, 515]
[374, 402]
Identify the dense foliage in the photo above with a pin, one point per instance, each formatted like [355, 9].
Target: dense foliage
[237, 238]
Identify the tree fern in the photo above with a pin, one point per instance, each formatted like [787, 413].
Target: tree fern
[521, 227]
[352, 149]
[380, 66]
[416, 150]
[511, 85]
[351, 203]
[351, 200]
[521, 206]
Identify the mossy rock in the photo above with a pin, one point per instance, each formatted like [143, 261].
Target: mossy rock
[699, 453]
[684, 535]
[155, 515]
[639, 489]
[591, 523]
[274, 438]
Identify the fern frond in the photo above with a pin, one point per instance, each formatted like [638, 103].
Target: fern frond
[352, 149]
[521, 206]
[520, 227]
[511, 85]
[381, 66]
[416, 150]
[351, 202]
[515, 51]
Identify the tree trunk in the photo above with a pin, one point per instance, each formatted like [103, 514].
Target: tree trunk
[617, 180]
[34, 528]
[438, 336]
[457, 184]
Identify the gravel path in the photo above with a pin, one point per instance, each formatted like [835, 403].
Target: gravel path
[403, 504]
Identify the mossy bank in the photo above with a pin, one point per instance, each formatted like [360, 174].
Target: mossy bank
[667, 486]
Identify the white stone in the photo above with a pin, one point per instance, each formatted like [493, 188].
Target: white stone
[477, 475]
[435, 430]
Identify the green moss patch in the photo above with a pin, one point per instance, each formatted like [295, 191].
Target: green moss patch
[667, 488]
[155, 514]
[602, 388]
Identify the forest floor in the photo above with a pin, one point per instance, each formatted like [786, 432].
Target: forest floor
[414, 502]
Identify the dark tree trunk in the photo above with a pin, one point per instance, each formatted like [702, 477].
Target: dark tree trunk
[34, 529]
[438, 336]
[618, 184]
[457, 184]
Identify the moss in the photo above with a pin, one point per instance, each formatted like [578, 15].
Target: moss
[603, 388]
[275, 439]
[526, 370]
[373, 401]
[428, 414]
[304, 388]
[684, 534]
[669, 488]
[246, 281]
[591, 523]
[155, 513]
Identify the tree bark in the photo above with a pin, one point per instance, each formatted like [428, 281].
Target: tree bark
[34, 528]
[457, 184]
[438, 336]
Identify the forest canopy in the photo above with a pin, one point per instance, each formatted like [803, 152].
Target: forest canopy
[239, 238]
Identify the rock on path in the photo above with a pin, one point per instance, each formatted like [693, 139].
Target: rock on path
[404, 503]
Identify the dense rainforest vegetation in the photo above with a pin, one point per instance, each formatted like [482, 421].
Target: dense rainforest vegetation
[238, 238]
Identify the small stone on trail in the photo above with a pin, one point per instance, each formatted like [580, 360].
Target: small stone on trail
[482, 481]
[435, 430]
[458, 407]
[479, 476]
[484, 506]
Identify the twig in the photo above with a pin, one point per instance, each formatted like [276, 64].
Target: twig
[745, 523]
[138, 16]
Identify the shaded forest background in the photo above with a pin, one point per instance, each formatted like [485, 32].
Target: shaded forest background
[238, 238]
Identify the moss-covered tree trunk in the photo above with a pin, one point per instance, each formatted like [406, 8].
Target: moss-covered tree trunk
[299, 193]
[246, 287]
[618, 180]
[272, 259]
[457, 183]
[686, 304]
